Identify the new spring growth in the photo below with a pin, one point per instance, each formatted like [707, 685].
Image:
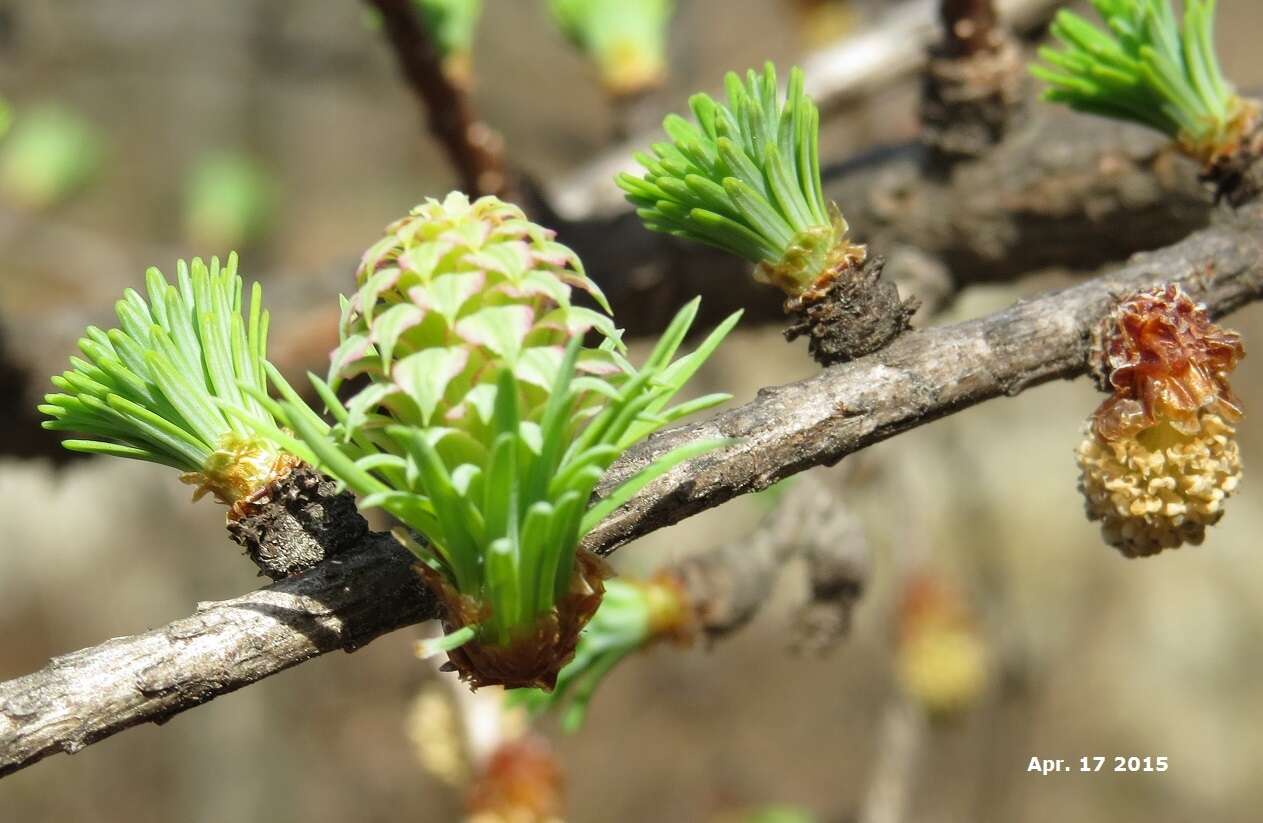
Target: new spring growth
[1160, 457]
[633, 615]
[1149, 69]
[173, 384]
[626, 39]
[745, 178]
[486, 424]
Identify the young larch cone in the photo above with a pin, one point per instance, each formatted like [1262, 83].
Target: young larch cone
[455, 293]
[1160, 456]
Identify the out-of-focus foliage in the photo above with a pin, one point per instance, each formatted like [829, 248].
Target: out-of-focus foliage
[780, 814]
[823, 21]
[452, 24]
[942, 660]
[50, 153]
[229, 201]
[627, 39]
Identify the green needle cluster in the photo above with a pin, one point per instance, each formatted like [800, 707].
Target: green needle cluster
[181, 382]
[1148, 69]
[745, 178]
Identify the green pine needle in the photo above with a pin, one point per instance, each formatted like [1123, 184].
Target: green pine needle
[167, 385]
[1148, 69]
[744, 178]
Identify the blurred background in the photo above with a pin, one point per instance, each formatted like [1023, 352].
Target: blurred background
[140, 132]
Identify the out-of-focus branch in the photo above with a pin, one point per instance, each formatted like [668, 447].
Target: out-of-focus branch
[365, 592]
[972, 88]
[472, 147]
[728, 584]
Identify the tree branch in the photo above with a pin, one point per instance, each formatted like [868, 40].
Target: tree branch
[922, 376]
[86, 696]
[347, 601]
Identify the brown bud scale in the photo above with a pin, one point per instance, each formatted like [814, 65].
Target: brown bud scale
[534, 658]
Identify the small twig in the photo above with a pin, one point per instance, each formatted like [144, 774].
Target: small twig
[472, 147]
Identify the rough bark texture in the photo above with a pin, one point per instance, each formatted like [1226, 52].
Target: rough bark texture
[856, 314]
[83, 697]
[299, 521]
[349, 600]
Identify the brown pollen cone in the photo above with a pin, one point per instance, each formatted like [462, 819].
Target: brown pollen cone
[534, 658]
[1160, 457]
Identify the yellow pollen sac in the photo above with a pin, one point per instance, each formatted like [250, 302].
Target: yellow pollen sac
[240, 467]
[1160, 488]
